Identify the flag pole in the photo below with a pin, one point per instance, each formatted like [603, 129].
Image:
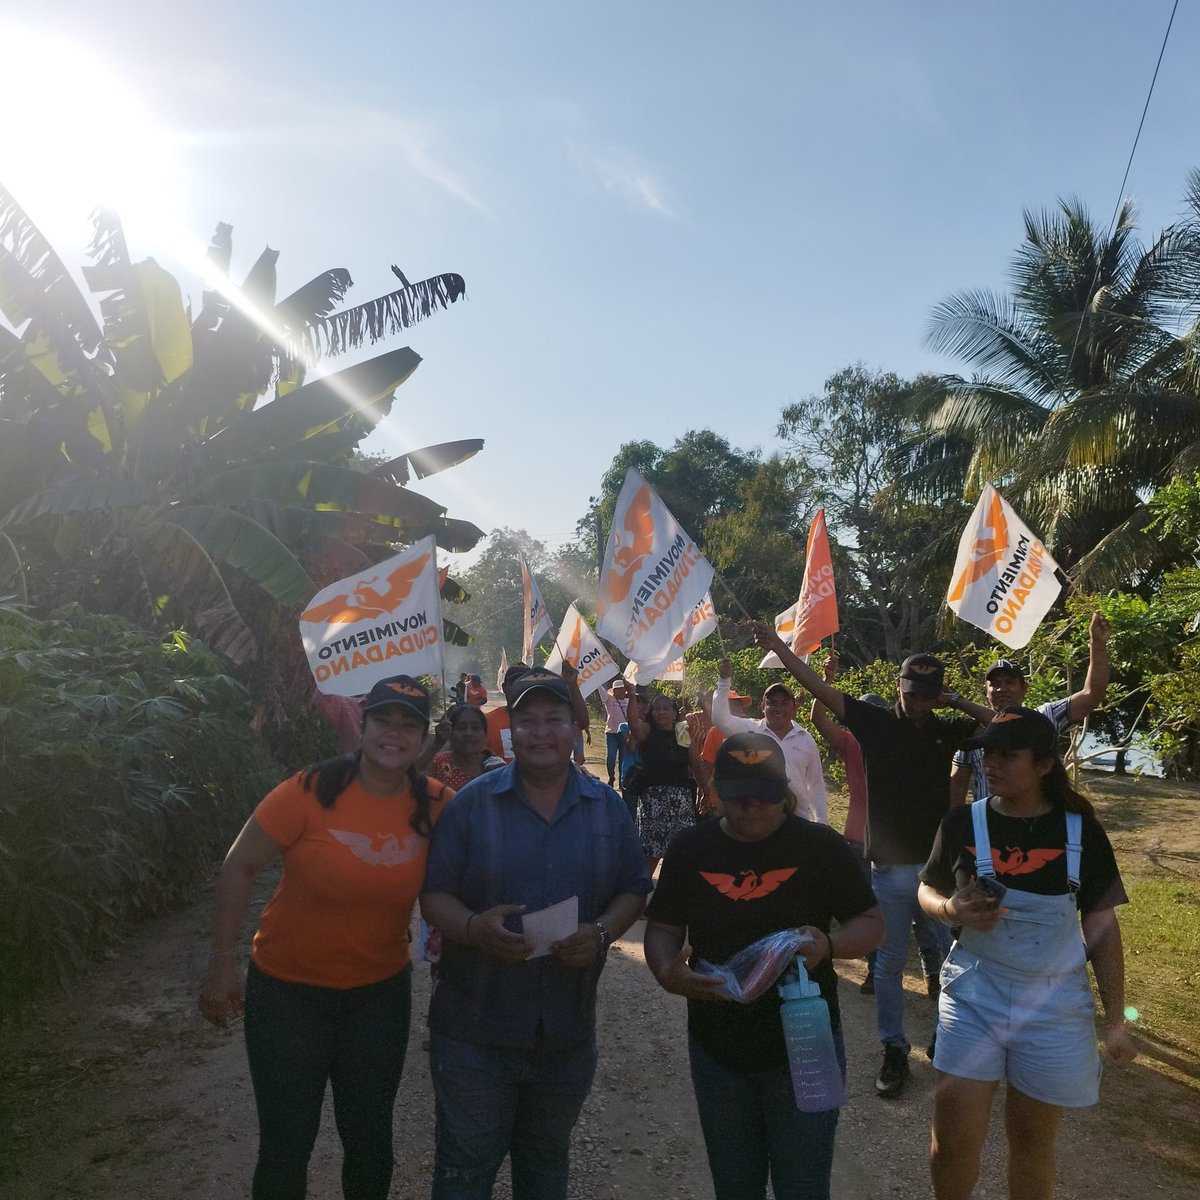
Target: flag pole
[732, 594]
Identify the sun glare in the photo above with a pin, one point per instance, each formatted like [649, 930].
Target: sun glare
[76, 137]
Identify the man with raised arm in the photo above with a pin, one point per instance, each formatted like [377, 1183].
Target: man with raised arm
[513, 1037]
[800, 753]
[1005, 684]
[907, 752]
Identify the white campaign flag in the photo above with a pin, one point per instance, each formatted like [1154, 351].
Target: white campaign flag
[1003, 579]
[381, 622]
[500, 674]
[537, 616]
[670, 672]
[701, 621]
[653, 576]
[785, 626]
[578, 645]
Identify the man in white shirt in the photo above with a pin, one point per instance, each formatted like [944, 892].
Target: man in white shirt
[616, 705]
[1005, 684]
[779, 720]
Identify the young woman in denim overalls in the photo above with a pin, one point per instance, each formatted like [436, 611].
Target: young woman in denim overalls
[1017, 872]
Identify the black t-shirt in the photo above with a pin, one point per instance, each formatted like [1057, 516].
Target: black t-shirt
[664, 760]
[1029, 856]
[908, 777]
[729, 894]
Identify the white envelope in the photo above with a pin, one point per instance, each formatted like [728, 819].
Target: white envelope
[549, 925]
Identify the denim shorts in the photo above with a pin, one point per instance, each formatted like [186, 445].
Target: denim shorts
[1036, 1032]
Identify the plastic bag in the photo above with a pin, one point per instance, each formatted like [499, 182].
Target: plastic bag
[754, 968]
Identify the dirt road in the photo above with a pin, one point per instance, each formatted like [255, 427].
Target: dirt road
[123, 1093]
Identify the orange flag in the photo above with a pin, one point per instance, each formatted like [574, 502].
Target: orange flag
[816, 610]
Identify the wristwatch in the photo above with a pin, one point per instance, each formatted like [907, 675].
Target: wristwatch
[603, 930]
[954, 699]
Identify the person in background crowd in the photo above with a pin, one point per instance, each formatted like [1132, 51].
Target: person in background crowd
[805, 776]
[615, 699]
[700, 718]
[1016, 872]
[724, 885]
[512, 1037]
[907, 752]
[468, 755]
[1005, 684]
[666, 799]
[844, 744]
[476, 692]
[328, 994]
[459, 690]
[709, 802]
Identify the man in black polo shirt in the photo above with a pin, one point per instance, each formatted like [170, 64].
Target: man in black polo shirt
[907, 752]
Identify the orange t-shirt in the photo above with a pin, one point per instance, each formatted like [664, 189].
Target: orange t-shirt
[351, 873]
[499, 734]
[477, 694]
[712, 743]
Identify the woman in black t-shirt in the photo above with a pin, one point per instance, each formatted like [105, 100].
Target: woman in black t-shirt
[666, 798]
[724, 885]
[1016, 872]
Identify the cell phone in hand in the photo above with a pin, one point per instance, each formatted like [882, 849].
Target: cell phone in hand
[991, 887]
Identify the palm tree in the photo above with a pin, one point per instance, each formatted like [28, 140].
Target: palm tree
[163, 462]
[1087, 391]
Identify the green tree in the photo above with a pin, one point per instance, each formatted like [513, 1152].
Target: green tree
[1087, 392]
[887, 547]
[160, 466]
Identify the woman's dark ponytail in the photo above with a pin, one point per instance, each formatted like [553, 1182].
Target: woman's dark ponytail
[331, 777]
[1058, 789]
[421, 820]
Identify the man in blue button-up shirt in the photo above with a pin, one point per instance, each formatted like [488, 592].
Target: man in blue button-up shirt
[513, 1047]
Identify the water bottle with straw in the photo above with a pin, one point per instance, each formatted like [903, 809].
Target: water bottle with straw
[816, 1076]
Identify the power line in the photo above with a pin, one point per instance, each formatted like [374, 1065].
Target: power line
[1124, 180]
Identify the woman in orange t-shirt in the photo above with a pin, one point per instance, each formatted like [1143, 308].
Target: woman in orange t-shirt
[328, 993]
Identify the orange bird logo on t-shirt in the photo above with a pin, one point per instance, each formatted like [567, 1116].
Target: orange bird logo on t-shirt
[986, 552]
[748, 885]
[385, 850]
[1016, 861]
[364, 602]
[634, 544]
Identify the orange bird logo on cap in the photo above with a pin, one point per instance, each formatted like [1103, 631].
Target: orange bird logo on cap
[986, 552]
[1001, 718]
[634, 544]
[364, 602]
[923, 669]
[751, 758]
[404, 690]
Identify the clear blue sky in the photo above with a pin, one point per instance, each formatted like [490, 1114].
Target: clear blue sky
[669, 215]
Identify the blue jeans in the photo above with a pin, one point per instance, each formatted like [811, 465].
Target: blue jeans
[752, 1129]
[614, 751]
[298, 1039]
[895, 888]
[490, 1102]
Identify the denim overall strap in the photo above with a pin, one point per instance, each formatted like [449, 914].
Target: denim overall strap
[1074, 849]
[983, 847]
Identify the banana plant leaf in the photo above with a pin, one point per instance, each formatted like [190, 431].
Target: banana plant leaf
[456, 635]
[428, 461]
[227, 536]
[364, 390]
[12, 570]
[315, 485]
[79, 496]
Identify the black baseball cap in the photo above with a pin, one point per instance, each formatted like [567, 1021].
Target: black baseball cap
[922, 675]
[1005, 666]
[535, 679]
[750, 766]
[399, 689]
[1018, 728]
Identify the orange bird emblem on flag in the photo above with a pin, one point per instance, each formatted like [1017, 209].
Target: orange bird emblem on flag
[363, 601]
[634, 544]
[987, 552]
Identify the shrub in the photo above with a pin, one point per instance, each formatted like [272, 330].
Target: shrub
[126, 765]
